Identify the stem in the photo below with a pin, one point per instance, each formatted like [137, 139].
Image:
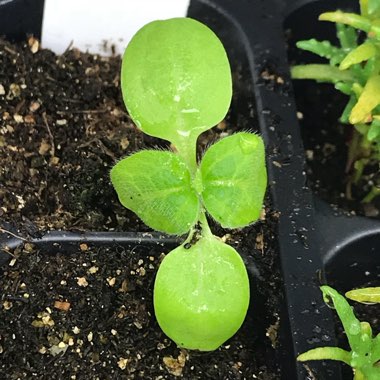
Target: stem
[187, 150]
[206, 231]
[359, 152]
[358, 375]
[375, 192]
[353, 148]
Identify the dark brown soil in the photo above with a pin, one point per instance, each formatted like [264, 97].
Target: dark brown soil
[325, 139]
[326, 146]
[63, 126]
[110, 322]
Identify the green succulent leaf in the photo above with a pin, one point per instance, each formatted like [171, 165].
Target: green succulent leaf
[374, 134]
[348, 109]
[176, 79]
[345, 88]
[360, 54]
[370, 8]
[323, 49]
[368, 100]
[201, 294]
[156, 185]
[322, 353]
[233, 176]
[350, 323]
[321, 73]
[365, 350]
[365, 295]
[363, 7]
[373, 8]
[352, 19]
[372, 67]
[376, 348]
[347, 36]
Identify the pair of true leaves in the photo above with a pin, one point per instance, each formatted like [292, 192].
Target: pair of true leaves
[230, 184]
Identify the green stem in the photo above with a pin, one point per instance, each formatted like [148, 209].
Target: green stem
[187, 150]
[358, 375]
[359, 149]
[206, 231]
[353, 150]
[375, 192]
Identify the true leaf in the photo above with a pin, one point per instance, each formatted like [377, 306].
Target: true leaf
[372, 67]
[322, 73]
[156, 186]
[374, 8]
[347, 36]
[350, 323]
[321, 353]
[363, 7]
[360, 54]
[352, 19]
[374, 133]
[233, 176]
[347, 110]
[176, 79]
[376, 348]
[345, 88]
[368, 100]
[371, 294]
[323, 49]
[201, 294]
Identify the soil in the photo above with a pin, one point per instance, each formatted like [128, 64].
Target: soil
[326, 141]
[63, 127]
[88, 314]
[319, 108]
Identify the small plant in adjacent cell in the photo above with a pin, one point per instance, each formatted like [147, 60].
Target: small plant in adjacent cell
[354, 69]
[176, 84]
[364, 357]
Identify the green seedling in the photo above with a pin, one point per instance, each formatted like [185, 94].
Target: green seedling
[364, 356]
[354, 69]
[176, 84]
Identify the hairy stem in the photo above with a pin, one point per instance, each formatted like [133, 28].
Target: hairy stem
[187, 149]
[206, 231]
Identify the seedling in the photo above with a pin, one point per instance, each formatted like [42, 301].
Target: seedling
[364, 356]
[176, 84]
[354, 69]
